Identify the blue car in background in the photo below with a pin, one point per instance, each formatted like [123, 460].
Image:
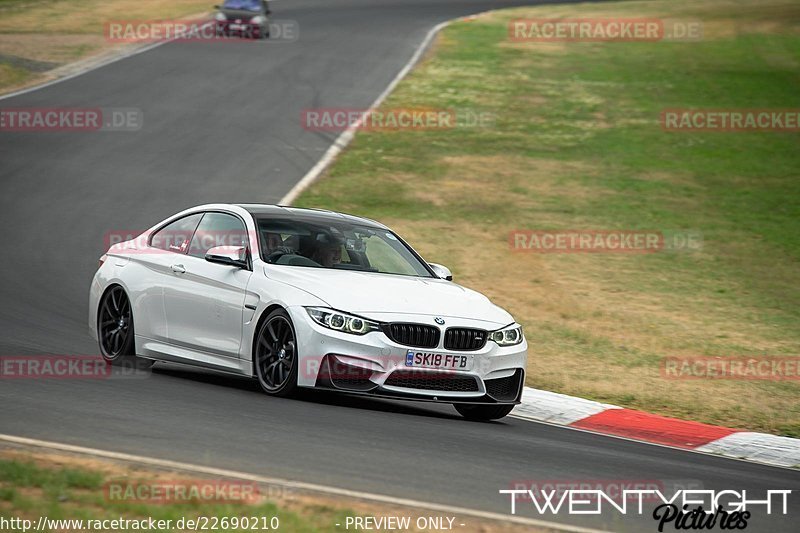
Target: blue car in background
[243, 18]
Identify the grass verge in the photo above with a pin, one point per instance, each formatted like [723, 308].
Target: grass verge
[577, 144]
[37, 36]
[30, 489]
[65, 488]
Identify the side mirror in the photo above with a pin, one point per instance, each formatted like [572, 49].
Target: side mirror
[441, 271]
[228, 255]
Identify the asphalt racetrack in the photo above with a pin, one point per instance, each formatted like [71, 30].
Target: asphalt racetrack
[222, 124]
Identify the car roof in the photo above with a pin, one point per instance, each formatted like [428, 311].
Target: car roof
[305, 213]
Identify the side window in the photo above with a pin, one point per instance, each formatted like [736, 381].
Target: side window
[175, 237]
[217, 229]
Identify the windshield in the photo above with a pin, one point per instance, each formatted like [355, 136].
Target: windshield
[336, 245]
[245, 5]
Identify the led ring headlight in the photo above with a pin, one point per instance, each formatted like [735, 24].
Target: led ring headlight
[338, 321]
[507, 336]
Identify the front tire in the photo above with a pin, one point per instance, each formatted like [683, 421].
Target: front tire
[115, 332]
[275, 355]
[482, 413]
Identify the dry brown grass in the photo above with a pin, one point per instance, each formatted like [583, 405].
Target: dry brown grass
[594, 299]
[68, 31]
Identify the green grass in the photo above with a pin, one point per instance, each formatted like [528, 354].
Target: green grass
[30, 490]
[23, 474]
[578, 145]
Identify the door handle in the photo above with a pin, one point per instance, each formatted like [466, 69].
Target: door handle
[178, 269]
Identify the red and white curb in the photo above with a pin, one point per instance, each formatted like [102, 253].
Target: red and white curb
[544, 406]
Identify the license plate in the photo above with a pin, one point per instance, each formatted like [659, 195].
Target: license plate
[237, 26]
[438, 360]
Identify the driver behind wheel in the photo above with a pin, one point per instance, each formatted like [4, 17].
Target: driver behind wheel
[327, 252]
[276, 246]
[273, 242]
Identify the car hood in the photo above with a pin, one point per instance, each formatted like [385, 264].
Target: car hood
[376, 295]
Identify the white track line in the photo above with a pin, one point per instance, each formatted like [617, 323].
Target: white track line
[301, 486]
[346, 136]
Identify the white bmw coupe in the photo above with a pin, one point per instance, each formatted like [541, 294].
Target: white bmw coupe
[305, 298]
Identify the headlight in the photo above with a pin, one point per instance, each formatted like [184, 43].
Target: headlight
[339, 321]
[220, 17]
[258, 19]
[508, 336]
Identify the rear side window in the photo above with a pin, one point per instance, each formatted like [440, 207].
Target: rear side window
[175, 237]
[217, 229]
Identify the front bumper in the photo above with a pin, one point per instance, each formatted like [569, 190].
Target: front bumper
[242, 29]
[374, 364]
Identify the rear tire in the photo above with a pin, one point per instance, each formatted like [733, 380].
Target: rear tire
[115, 332]
[482, 413]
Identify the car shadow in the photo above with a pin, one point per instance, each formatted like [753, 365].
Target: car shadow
[321, 397]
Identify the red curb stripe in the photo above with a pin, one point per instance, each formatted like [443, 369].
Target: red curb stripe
[653, 428]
